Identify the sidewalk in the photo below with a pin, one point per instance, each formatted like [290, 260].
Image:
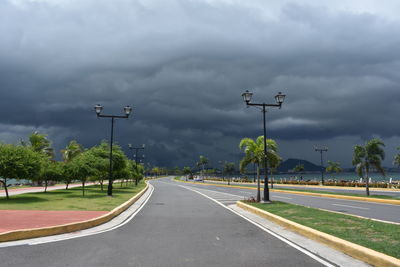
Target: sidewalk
[27, 219]
[33, 189]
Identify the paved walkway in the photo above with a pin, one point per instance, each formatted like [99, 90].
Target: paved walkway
[33, 189]
[25, 219]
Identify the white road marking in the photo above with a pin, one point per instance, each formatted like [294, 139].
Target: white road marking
[315, 257]
[101, 231]
[217, 238]
[283, 197]
[348, 206]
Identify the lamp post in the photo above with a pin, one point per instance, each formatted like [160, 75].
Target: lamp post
[127, 110]
[279, 98]
[136, 152]
[321, 149]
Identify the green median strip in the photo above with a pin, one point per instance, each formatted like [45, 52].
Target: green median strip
[326, 192]
[72, 199]
[338, 193]
[379, 236]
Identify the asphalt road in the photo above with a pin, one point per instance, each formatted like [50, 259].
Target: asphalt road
[177, 227]
[373, 191]
[372, 210]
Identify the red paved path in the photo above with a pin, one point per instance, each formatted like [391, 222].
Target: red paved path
[25, 219]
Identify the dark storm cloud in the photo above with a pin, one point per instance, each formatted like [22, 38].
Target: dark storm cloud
[183, 66]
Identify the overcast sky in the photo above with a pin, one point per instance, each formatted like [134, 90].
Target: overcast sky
[183, 65]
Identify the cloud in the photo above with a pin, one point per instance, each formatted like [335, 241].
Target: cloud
[183, 65]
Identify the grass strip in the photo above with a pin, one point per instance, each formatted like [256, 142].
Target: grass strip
[72, 199]
[379, 236]
[326, 192]
[337, 193]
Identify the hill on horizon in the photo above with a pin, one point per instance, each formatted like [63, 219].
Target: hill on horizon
[289, 164]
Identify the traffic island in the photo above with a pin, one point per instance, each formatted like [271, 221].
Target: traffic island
[386, 237]
[299, 192]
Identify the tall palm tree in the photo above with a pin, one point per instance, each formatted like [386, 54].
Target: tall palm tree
[333, 167]
[229, 168]
[254, 153]
[365, 157]
[72, 150]
[41, 144]
[396, 160]
[203, 162]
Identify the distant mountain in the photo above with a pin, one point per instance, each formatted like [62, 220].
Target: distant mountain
[289, 164]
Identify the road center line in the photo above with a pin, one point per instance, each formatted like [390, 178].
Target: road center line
[354, 207]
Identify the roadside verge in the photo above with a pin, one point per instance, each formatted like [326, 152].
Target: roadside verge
[359, 252]
[71, 227]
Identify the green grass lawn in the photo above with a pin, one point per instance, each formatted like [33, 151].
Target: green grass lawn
[72, 199]
[379, 236]
[338, 193]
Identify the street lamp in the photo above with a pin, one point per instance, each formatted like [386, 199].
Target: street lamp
[127, 110]
[135, 155]
[321, 149]
[279, 98]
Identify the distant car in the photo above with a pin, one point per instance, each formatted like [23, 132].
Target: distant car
[198, 179]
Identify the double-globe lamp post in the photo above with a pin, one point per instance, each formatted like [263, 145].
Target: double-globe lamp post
[127, 110]
[279, 98]
[136, 153]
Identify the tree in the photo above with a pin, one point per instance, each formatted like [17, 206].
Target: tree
[254, 153]
[203, 162]
[83, 168]
[18, 162]
[299, 168]
[102, 153]
[51, 171]
[367, 156]
[333, 167]
[396, 160]
[229, 169]
[156, 171]
[72, 150]
[40, 143]
[187, 171]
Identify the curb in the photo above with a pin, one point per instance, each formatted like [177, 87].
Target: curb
[356, 251]
[326, 186]
[365, 199]
[71, 227]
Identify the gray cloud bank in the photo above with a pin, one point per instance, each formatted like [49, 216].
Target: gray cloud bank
[183, 65]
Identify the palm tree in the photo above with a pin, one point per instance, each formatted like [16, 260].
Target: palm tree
[254, 153]
[40, 143]
[229, 168]
[365, 157]
[333, 167]
[72, 150]
[203, 162]
[299, 168]
[187, 171]
[396, 160]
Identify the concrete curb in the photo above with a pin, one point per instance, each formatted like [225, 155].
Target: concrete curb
[71, 227]
[365, 199]
[356, 251]
[322, 186]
